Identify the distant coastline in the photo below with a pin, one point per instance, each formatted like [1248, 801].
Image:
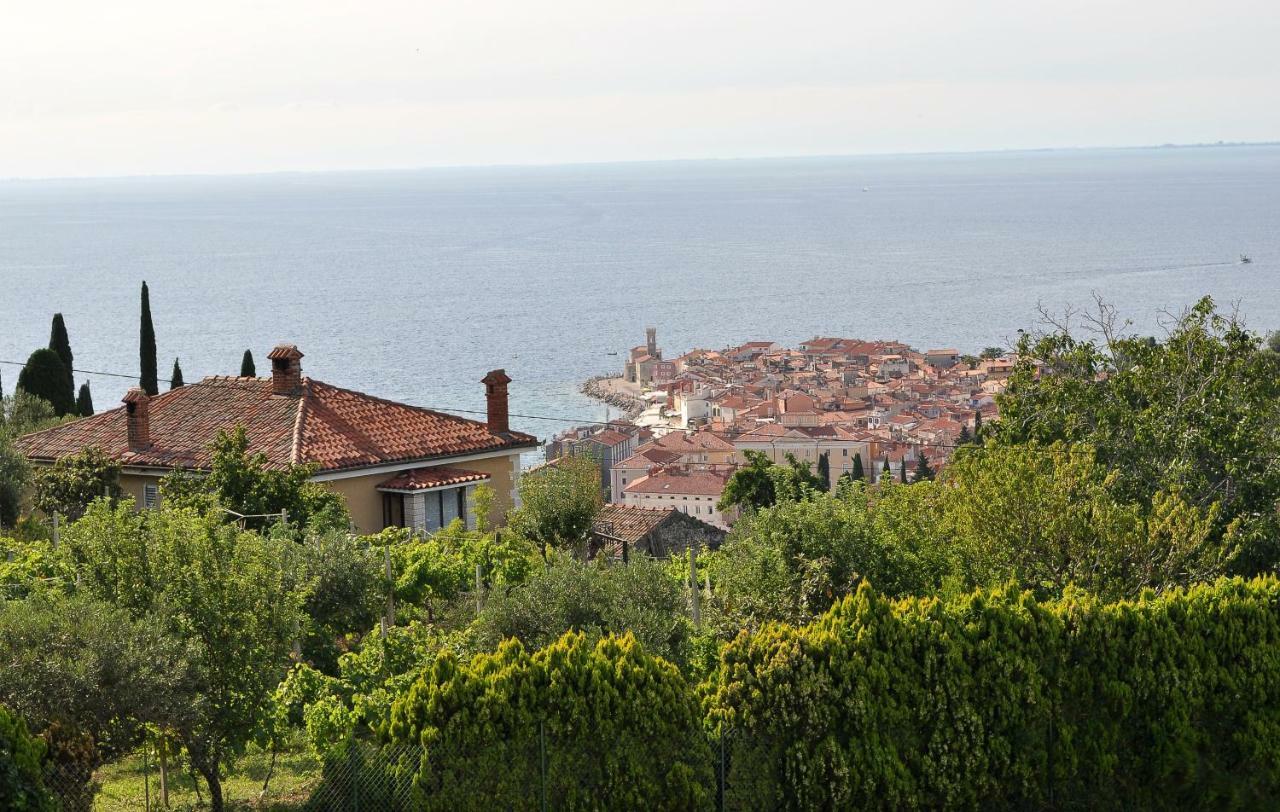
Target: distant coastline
[161, 176]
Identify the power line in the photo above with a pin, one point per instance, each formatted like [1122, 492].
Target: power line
[228, 381]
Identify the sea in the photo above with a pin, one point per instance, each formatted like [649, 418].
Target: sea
[411, 285]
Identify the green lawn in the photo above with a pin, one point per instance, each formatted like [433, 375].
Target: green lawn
[297, 773]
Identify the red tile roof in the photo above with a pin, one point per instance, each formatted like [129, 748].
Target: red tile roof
[337, 429]
[420, 479]
[705, 483]
[608, 437]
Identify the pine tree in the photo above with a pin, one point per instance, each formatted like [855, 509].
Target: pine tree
[965, 437]
[923, 469]
[61, 344]
[857, 468]
[45, 377]
[148, 378]
[84, 401]
[902, 470]
[247, 370]
[175, 377]
[824, 470]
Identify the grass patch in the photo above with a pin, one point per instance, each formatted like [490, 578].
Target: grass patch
[297, 772]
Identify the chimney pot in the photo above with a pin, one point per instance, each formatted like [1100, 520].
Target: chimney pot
[286, 370]
[495, 392]
[137, 407]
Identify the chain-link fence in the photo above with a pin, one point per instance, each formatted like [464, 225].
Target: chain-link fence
[535, 770]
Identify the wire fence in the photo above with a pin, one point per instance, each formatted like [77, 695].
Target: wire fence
[536, 770]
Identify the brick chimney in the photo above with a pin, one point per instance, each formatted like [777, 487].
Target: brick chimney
[286, 370]
[495, 392]
[137, 408]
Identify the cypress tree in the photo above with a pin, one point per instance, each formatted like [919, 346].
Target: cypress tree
[902, 470]
[148, 379]
[857, 473]
[977, 426]
[923, 470]
[886, 473]
[824, 470]
[175, 377]
[84, 402]
[60, 343]
[45, 377]
[247, 369]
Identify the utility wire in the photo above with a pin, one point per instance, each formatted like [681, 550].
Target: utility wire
[228, 381]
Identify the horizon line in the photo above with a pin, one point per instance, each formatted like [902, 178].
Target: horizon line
[636, 161]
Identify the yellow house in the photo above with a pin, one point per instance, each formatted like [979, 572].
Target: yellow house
[395, 464]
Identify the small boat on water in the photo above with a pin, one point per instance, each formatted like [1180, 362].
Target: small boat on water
[1245, 259]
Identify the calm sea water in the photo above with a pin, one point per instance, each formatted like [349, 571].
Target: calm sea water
[411, 285]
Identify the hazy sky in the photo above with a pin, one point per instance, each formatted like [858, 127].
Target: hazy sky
[135, 86]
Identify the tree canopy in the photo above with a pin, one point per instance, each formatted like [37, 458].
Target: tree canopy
[44, 376]
[1196, 414]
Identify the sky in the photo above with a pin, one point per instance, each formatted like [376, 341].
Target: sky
[162, 87]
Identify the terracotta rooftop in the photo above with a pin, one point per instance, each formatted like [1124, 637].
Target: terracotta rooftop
[704, 483]
[628, 522]
[334, 428]
[647, 457]
[608, 437]
[420, 479]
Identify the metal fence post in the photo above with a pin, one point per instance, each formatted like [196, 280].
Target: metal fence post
[542, 750]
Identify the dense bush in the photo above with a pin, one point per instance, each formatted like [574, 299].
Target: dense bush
[21, 778]
[620, 729]
[594, 598]
[993, 700]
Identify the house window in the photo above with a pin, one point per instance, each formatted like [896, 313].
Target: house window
[393, 510]
[150, 496]
[440, 508]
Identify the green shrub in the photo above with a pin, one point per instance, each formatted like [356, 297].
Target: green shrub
[619, 729]
[21, 762]
[993, 700]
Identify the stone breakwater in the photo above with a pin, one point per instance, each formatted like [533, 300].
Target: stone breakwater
[610, 390]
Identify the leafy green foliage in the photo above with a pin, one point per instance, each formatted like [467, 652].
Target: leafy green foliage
[751, 486]
[334, 710]
[72, 483]
[28, 567]
[623, 725]
[558, 503]
[243, 482]
[789, 562]
[992, 700]
[760, 484]
[86, 675]
[343, 588]
[22, 786]
[45, 377]
[223, 590]
[15, 475]
[595, 598]
[1049, 516]
[1196, 414]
